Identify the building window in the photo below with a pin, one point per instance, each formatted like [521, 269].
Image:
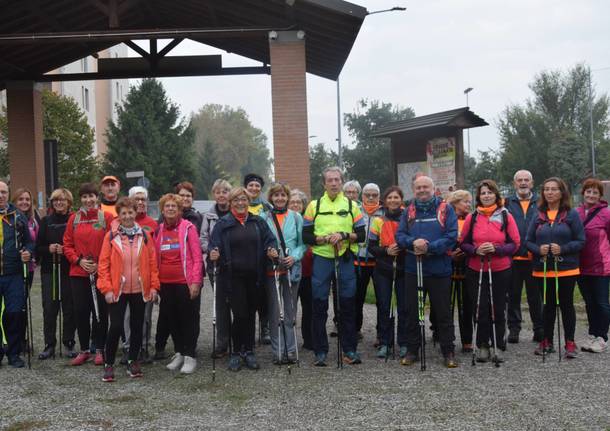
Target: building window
[85, 98]
[85, 65]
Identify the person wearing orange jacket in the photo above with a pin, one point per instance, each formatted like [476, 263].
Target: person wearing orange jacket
[127, 274]
[83, 240]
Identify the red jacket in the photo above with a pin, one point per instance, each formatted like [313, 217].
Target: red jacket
[84, 239]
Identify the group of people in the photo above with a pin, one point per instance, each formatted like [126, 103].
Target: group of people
[105, 265]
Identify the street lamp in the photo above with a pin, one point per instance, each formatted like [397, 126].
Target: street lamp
[468, 90]
[339, 119]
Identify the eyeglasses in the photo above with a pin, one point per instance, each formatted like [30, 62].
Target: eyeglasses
[60, 200]
[371, 195]
[140, 199]
[551, 189]
[239, 200]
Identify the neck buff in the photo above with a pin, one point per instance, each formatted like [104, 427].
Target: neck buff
[426, 206]
[370, 209]
[240, 217]
[280, 210]
[487, 211]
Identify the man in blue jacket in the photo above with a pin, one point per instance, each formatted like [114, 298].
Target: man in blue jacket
[17, 248]
[428, 229]
[522, 206]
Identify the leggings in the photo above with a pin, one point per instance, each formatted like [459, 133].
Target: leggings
[116, 311]
[566, 304]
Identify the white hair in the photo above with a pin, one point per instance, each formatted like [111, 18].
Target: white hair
[352, 183]
[138, 189]
[371, 186]
[523, 171]
[425, 177]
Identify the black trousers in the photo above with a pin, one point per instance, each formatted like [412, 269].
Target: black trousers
[50, 308]
[566, 305]
[116, 311]
[306, 311]
[223, 315]
[438, 289]
[462, 301]
[85, 313]
[181, 312]
[500, 283]
[364, 274]
[244, 300]
[522, 273]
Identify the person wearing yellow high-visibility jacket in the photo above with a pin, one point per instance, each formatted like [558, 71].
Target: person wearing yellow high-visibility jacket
[333, 226]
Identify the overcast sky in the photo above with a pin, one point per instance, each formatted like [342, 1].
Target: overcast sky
[425, 57]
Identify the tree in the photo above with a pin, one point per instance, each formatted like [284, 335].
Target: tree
[240, 148]
[62, 120]
[149, 135]
[475, 171]
[550, 134]
[319, 158]
[209, 170]
[369, 161]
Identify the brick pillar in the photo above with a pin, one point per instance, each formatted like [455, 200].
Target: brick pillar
[289, 100]
[25, 137]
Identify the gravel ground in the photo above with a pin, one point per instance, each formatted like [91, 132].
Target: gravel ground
[523, 394]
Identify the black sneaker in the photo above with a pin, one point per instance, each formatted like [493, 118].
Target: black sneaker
[235, 362]
[513, 336]
[134, 370]
[250, 361]
[108, 375]
[16, 361]
[538, 336]
[48, 352]
[70, 352]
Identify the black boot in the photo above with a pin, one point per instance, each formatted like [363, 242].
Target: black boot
[70, 352]
[48, 352]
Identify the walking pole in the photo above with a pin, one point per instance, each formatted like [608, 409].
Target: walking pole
[213, 283]
[28, 310]
[281, 324]
[294, 314]
[94, 295]
[493, 312]
[392, 317]
[557, 309]
[543, 302]
[338, 316]
[57, 284]
[421, 303]
[476, 315]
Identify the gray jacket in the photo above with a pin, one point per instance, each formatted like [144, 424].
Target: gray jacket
[207, 226]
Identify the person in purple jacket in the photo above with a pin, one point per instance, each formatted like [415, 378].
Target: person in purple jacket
[594, 277]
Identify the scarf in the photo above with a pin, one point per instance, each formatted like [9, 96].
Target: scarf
[240, 217]
[279, 211]
[371, 208]
[487, 211]
[393, 214]
[425, 206]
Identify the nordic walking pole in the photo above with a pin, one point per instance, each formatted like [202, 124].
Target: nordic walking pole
[543, 302]
[392, 318]
[421, 309]
[557, 309]
[476, 315]
[338, 316]
[94, 295]
[493, 313]
[281, 324]
[57, 284]
[213, 283]
[294, 313]
[28, 310]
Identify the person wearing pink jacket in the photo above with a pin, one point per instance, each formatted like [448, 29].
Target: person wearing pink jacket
[180, 264]
[594, 276]
[490, 237]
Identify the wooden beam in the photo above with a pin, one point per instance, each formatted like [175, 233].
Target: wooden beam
[113, 14]
[137, 49]
[174, 43]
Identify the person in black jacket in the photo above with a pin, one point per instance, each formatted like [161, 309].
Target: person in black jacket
[187, 192]
[49, 249]
[240, 244]
[522, 206]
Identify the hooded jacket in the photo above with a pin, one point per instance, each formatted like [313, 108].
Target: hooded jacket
[595, 255]
[15, 237]
[190, 251]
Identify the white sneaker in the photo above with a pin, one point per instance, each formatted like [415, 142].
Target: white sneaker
[176, 362]
[189, 365]
[599, 345]
[585, 346]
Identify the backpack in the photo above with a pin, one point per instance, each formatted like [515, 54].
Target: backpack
[503, 228]
[441, 213]
[101, 220]
[341, 213]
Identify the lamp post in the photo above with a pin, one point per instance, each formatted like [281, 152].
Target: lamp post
[339, 119]
[468, 90]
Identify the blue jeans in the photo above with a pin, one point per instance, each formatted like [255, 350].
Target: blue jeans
[323, 274]
[12, 297]
[594, 290]
[384, 285]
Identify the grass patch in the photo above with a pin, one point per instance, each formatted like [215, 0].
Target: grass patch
[26, 425]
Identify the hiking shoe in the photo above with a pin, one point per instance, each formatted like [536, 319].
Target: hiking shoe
[16, 361]
[483, 354]
[409, 359]
[538, 336]
[467, 348]
[177, 361]
[513, 336]
[108, 375]
[571, 352]
[160, 355]
[499, 357]
[383, 351]
[320, 360]
[250, 361]
[351, 358]
[48, 352]
[599, 345]
[450, 361]
[70, 352]
[134, 370]
[189, 365]
[585, 346]
[99, 358]
[235, 362]
[402, 352]
[81, 358]
[544, 346]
